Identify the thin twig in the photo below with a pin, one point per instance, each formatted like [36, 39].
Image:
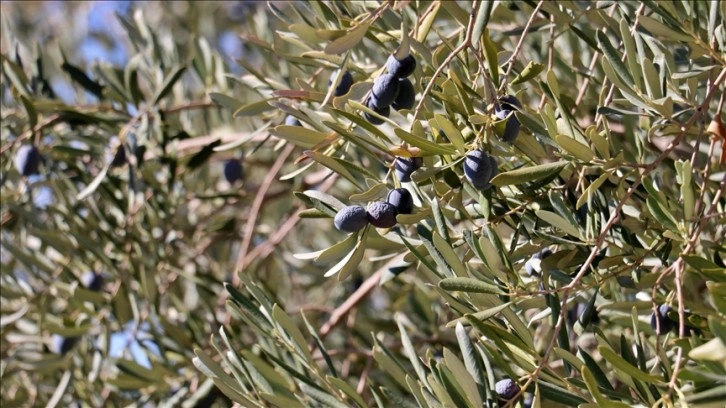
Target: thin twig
[255, 210]
[341, 311]
[266, 248]
[518, 47]
[447, 61]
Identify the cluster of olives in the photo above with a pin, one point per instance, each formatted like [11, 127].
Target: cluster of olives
[393, 89]
[381, 214]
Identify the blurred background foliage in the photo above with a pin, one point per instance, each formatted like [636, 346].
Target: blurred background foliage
[204, 292]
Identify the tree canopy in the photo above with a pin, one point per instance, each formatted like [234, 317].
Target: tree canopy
[363, 203]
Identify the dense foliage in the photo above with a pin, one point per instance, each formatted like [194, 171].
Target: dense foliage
[513, 203]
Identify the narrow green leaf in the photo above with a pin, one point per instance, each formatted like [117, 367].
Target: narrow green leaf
[347, 41]
[411, 351]
[226, 101]
[452, 382]
[30, 109]
[595, 370]
[281, 400]
[525, 174]
[490, 51]
[377, 191]
[321, 397]
[449, 255]
[622, 365]
[363, 123]
[348, 390]
[661, 30]
[482, 315]
[325, 198]
[355, 260]
[631, 54]
[338, 250]
[255, 108]
[131, 80]
[215, 371]
[333, 164]
[468, 352]
[389, 365]
[16, 76]
[463, 284]
[685, 177]
[559, 222]
[424, 27]
[558, 394]
[716, 394]
[350, 261]
[591, 189]
[428, 147]
[529, 72]
[289, 328]
[606, 47]
[661, 214]
[480, 24]
[168, 83]
[575, 148]
[82, 79]
[298, 135]
[599, 397]
[451, 132]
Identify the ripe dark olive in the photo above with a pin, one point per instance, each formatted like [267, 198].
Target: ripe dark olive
[27, 160]
[233, 170]
[532, 266]
[346, 81]
[577, 313]
[661, 319]
[385, 90]
[62, 345]
[372, 103]
[292, 121]
[401, 199]
[119, 159]
[505, 108]
[406, 95]
[92, 281]
[511, 128]
[402, 68]
[507, 389]
[351, 218]
[382, 214]
[509, 102]
[479, 168]
[404, 166]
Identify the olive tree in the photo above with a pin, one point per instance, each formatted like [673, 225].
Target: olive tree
[371, 203]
